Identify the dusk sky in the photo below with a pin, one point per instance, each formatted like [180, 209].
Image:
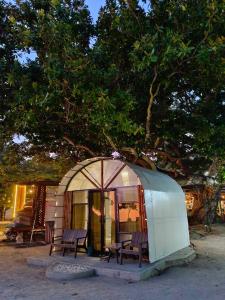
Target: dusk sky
[94, 6]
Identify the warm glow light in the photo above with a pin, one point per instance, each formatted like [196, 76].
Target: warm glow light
[15, 201]
[24, 195]
[189, 200]
[124, 174]
[125, 177]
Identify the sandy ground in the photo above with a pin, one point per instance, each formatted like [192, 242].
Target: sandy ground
[204, 278]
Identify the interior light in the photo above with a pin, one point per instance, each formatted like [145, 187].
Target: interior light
[15, 201]
[124, 174]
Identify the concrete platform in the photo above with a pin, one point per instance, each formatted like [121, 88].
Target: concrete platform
[129, 270]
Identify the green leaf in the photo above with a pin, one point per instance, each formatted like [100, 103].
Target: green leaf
[55, 3]
[154, 58]
[34, 85]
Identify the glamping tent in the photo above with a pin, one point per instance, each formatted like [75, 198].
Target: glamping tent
[34, 204]
[33, 201]
[113, 198]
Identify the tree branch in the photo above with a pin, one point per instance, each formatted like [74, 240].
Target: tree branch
[130, 7]
[77, 146]
[112, 144]
[150, 103]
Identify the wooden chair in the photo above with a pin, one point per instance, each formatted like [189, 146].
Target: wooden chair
[71, 239]
[81, 237]
[135, 246]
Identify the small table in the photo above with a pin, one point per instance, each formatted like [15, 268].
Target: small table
[114, 248]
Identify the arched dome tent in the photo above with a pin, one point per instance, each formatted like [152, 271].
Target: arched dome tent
[112, 198]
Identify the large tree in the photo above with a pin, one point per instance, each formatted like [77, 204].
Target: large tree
[137, 81]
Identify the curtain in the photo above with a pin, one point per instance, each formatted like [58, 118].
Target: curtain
[68, 196]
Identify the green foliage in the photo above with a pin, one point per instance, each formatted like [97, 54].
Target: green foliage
[17, 166]
[150, 80]
[221, 174]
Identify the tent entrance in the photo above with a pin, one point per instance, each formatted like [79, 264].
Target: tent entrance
[102, 225]
[109, 215]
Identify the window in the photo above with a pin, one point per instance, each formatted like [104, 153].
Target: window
[128, 209]
[80, 210]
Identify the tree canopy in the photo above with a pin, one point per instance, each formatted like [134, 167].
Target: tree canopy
[143, 82]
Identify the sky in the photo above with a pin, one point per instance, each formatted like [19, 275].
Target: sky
[94, 6]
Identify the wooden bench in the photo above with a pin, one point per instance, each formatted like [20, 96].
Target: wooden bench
[71, 239]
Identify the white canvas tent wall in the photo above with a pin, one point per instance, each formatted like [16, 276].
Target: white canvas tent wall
[164, 200]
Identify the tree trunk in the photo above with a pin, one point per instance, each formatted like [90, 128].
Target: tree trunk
[205, 205]
[211, 206]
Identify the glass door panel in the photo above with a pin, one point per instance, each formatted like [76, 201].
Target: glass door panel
[79, 216]
[102, 232]
[109, 218]
[95, 222]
